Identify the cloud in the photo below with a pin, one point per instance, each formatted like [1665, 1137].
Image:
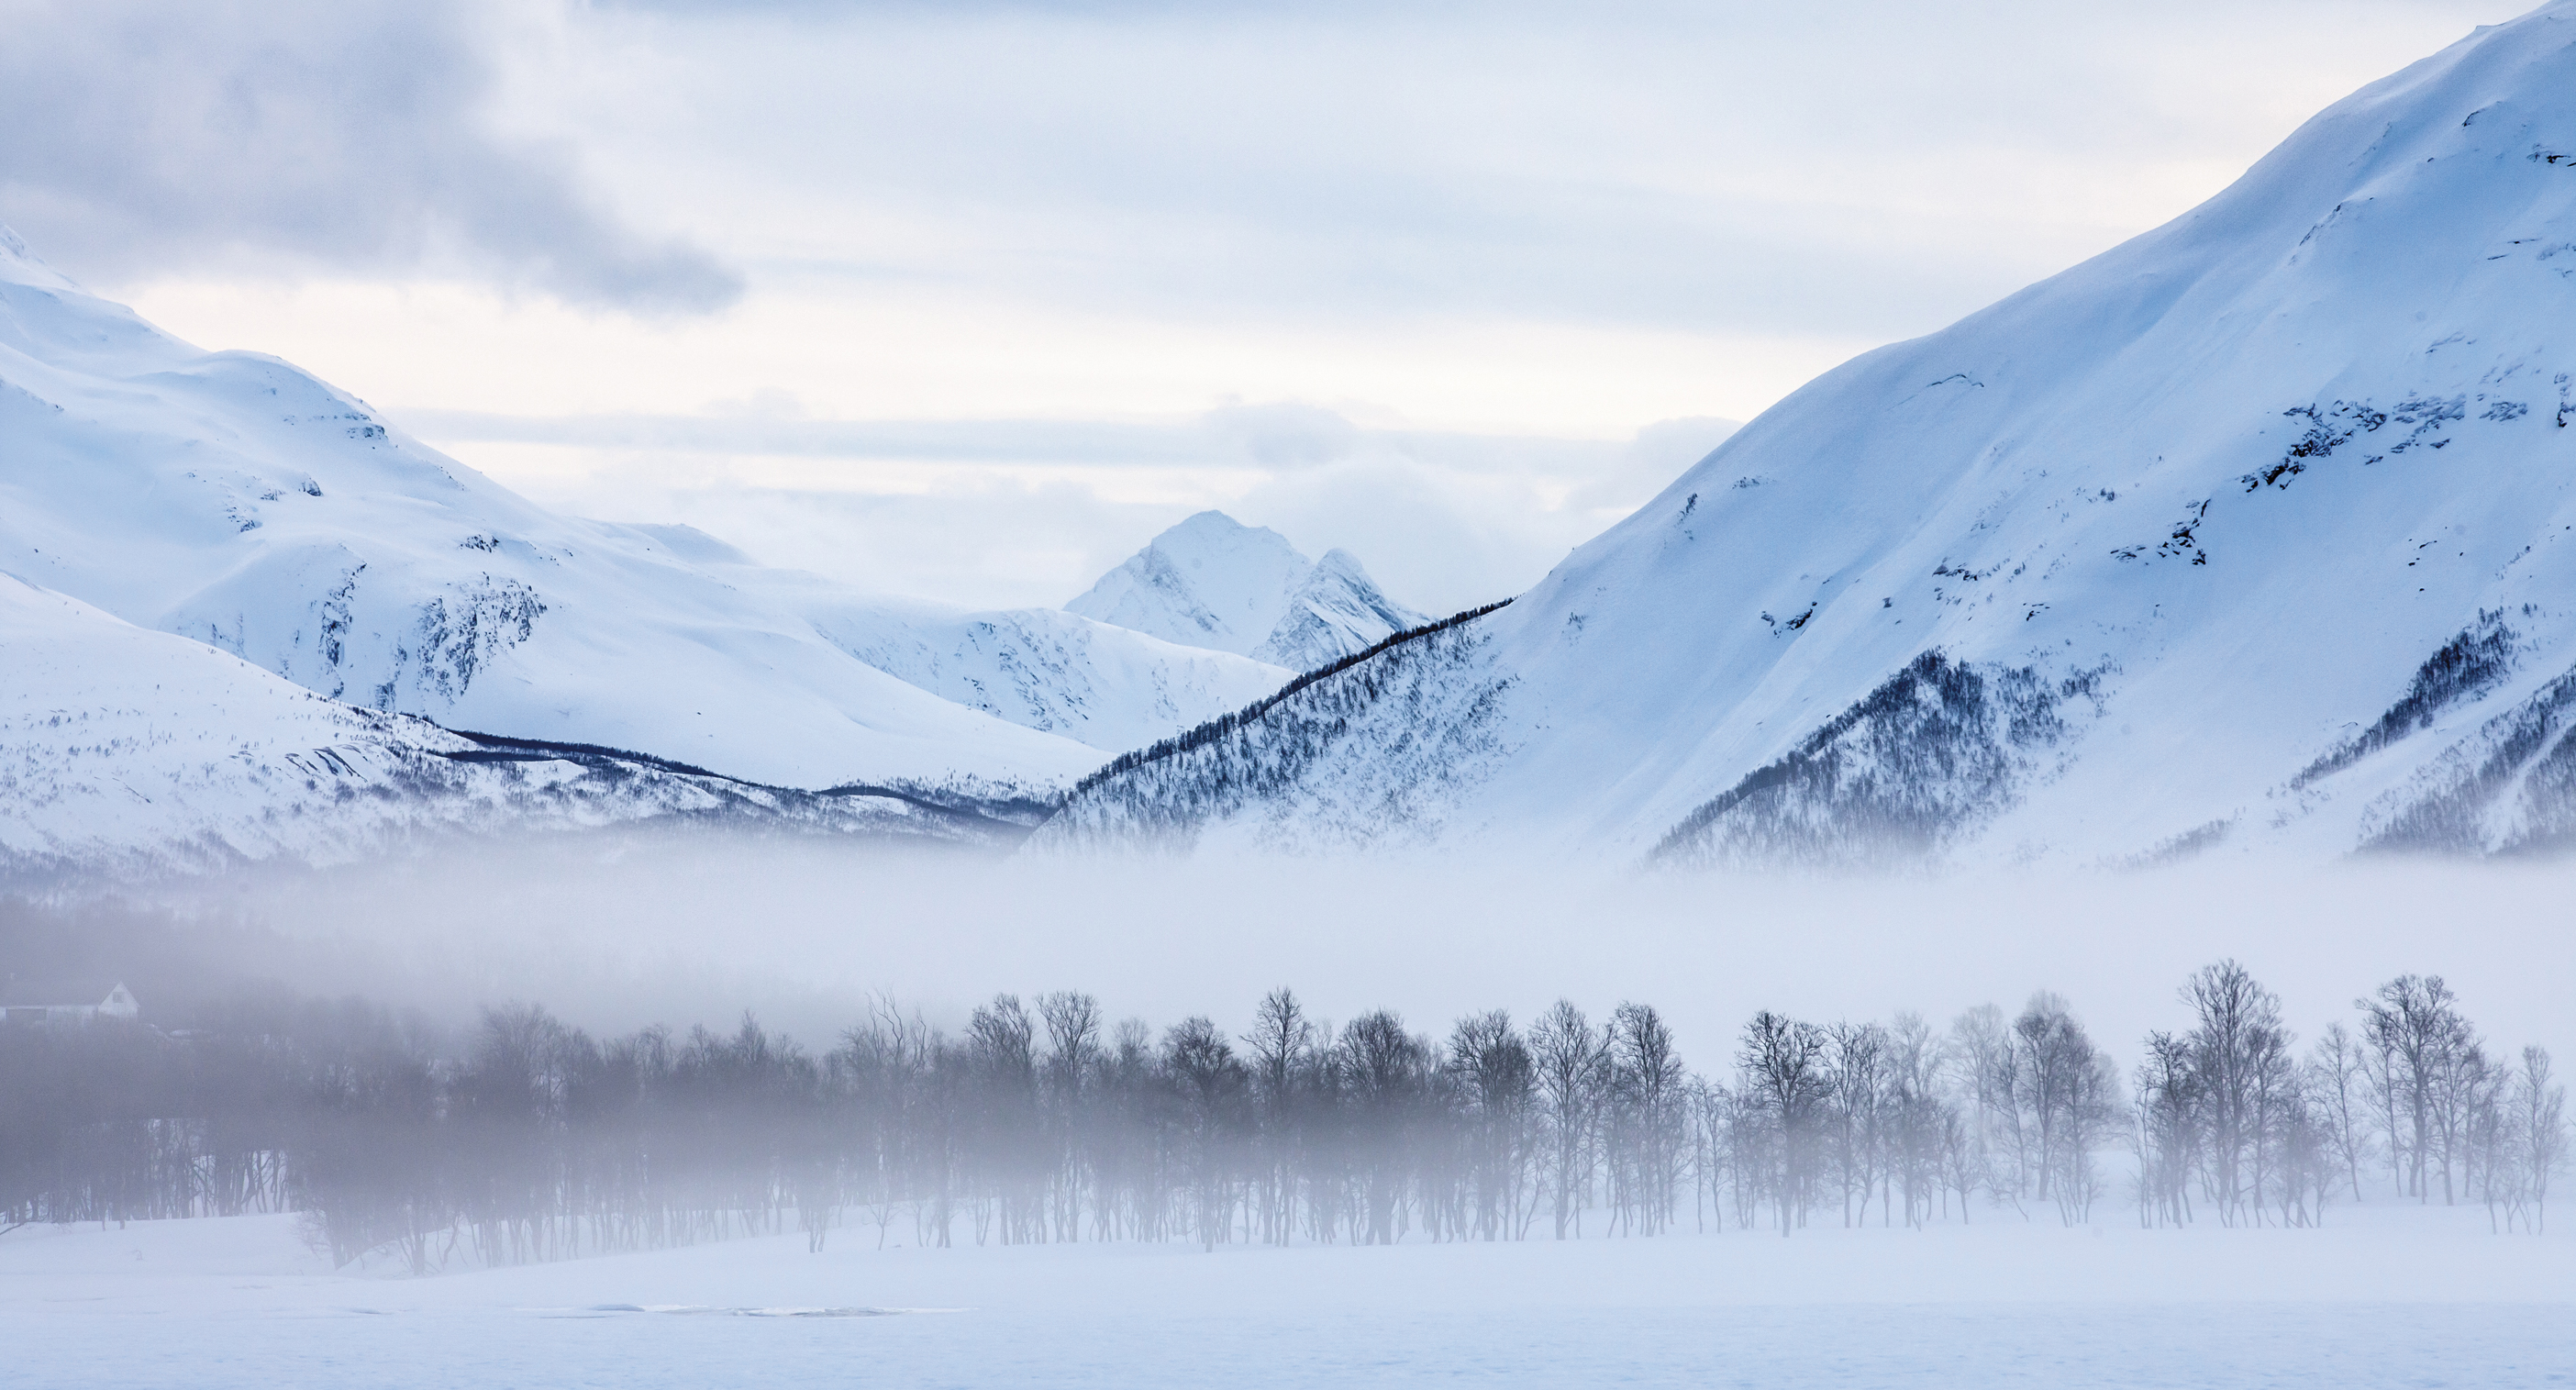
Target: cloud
[1010, 513]
[1175, 443]
[1285, 436]
[989, 542]
[1653, 459]
[1862, 172]
[151, 137]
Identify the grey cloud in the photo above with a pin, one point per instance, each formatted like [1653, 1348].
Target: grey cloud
[144, 136]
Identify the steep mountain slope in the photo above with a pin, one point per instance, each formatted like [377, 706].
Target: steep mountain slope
[1213, 582]
[1336, 610]
[138, 751]
[230, 498]
[2256, 530]
[1042, 668]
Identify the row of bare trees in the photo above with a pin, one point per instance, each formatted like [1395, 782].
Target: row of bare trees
[1043, 1121]
[2231, 1120]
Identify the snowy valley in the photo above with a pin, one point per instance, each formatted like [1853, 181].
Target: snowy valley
[2035, 862]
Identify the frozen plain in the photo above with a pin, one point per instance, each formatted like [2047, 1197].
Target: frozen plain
[2383, 1296]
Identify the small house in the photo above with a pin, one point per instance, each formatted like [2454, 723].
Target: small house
[60, 1003]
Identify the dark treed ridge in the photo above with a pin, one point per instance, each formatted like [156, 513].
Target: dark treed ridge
[1225, 724]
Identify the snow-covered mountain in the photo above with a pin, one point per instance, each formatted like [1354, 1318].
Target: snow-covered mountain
[137, 751]
[1335, 611]
[1042, 668]
[1213, 582]
[230, 498]
[2259, 529]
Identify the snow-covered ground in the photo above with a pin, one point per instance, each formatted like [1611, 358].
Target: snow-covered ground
[2380, 1297]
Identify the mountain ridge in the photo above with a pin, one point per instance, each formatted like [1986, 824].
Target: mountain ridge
[140, 754]
[236, 500]
[2099, 567]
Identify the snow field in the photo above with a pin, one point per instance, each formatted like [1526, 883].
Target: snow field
[2382, 1296]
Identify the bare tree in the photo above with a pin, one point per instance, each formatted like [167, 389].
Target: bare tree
[1388, 1071]
[1065, 1077]
[2239, 1056]
[1499, 1079]
[2338, 1076]
[2413, 1023]
[2070, 1091]
[2170, 1118]
[1988, 1065]
[2540, 1111]
[1646, 1060]
[1573, 1069]
[1785, 1064]
[1212, 1085]
[1282, 1043]
[1856, 1063]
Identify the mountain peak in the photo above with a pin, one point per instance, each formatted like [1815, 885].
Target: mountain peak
[1211, 581]
[1214, 525]
[1336, 611]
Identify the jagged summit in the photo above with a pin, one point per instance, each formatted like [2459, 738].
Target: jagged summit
[1336, 610]
[1210, 581]
[1214, 582]
[2257, 529]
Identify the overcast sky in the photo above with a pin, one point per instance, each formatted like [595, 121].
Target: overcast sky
[965, 299]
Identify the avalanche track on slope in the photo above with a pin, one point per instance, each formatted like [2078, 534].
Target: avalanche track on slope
[2258, 530]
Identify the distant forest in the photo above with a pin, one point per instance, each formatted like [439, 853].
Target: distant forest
[1044, 1120]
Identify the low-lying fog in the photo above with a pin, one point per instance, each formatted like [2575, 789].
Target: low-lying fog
[615, 933]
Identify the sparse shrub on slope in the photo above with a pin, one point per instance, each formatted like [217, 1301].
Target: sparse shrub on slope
[1927, 758]
[1422, 715]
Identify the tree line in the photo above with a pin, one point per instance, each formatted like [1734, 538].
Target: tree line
[1043, 1121]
